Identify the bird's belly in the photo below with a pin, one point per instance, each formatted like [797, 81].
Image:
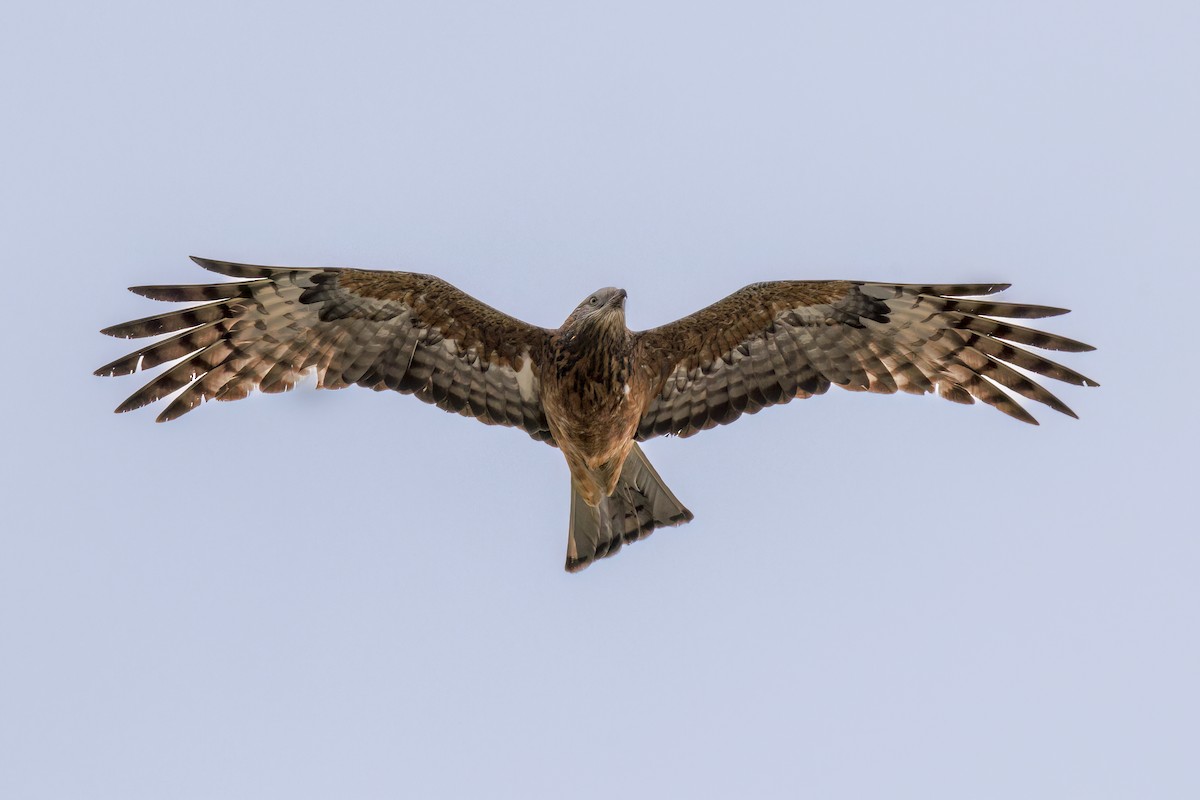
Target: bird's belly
[592, 415]
[595, 442]
[595, 436]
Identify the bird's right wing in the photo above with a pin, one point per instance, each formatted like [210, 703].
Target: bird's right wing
[412, 333]
[771, 342]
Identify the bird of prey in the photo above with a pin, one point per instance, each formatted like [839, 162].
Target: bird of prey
[593, 388]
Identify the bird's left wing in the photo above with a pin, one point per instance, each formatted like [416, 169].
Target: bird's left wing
[771, 342]
[412, 333]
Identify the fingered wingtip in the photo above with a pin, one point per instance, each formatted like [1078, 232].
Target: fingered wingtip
[210, 264]
[148, 292]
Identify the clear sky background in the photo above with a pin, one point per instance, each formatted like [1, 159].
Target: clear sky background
[349, 594]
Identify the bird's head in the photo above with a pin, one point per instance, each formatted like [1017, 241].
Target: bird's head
[605, 307]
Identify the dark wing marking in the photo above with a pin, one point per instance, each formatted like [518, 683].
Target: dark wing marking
[771, 342]
[412, 333]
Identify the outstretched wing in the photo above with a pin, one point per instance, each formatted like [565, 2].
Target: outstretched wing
[772, 342]
[412, 333]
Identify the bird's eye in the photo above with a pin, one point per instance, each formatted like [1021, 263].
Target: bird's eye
[593, 300]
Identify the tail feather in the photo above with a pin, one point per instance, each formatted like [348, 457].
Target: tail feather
[640, 504]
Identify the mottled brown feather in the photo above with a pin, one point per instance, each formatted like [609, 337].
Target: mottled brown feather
[772, 342]
[409, 332]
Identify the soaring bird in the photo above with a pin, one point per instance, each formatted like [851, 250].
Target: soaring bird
[592, 387]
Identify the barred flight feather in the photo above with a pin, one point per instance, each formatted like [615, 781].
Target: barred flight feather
[273, 325]
[861, 336]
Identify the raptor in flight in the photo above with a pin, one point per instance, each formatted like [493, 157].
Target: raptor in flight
[593, 388]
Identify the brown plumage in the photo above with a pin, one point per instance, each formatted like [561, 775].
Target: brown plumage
[593, 388]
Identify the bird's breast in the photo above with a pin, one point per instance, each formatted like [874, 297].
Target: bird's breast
[588, 402]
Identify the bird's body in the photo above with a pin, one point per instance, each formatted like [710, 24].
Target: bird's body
[586, 393]
[592, 387]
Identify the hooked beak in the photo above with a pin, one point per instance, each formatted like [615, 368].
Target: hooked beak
[618, 299]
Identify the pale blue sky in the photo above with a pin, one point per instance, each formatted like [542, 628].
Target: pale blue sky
[348, 594]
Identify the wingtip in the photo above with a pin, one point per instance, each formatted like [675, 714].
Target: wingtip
[130, 404]
[575, 565]
[148, 292]
[214, 265]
